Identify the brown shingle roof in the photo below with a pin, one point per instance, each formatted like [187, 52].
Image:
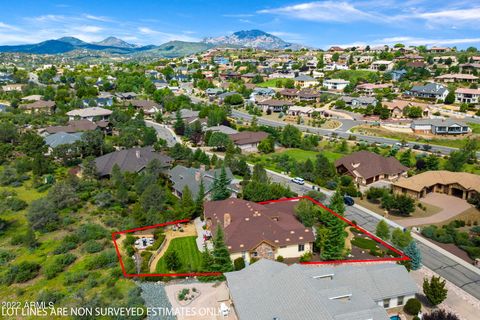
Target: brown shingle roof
[369, 164]
[426, 179]
[39, 105]
[252, 223]
[74, 126]
[246, 137]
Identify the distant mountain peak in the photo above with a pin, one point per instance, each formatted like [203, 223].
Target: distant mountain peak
[250, 38]
[115, 42]
[72, 40]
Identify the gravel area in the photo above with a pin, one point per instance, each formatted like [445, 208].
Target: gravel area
[155, 297]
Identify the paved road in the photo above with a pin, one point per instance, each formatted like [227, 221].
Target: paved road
[343, 134]
[162, 132]
[434, 260]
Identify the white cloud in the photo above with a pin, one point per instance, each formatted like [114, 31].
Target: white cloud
[8, 27]
[160, 36]
[48, 18]
[97, 18]
[329, 11]
[145, 30]
[89, 29]
[411, 41]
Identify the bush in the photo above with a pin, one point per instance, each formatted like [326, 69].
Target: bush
[306, 257]
[13, 204]
[239, 263]
[92, 246]
[56, 265]
[146, 255]
[107, 259]
[75, 277]
[90, 232]
[21, 272]
[47, 297]
[158, 242]
[280, 259]
[412, 307]
[5, 256]
[64, 247]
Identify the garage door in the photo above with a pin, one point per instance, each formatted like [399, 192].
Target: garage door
[457, 192]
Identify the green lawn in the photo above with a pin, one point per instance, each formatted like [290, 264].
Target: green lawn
[355, 75]
[187, 250]
[475, 127]
[269, 83]
[303, 155]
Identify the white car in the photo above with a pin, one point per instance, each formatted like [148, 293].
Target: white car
[298, 180]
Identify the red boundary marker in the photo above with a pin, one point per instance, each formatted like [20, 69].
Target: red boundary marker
[402, 257]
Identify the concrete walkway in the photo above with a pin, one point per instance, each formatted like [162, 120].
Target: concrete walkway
[458, 301]
[451, 207]
[188, 231]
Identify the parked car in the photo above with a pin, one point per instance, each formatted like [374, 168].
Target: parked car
[348, 201]
[298, 180]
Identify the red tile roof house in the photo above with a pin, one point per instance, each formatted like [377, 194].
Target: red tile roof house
[367, 167]
[248, 140]
[254, 230]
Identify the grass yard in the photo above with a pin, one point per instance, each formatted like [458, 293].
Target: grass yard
[303, 155]
[475, 127]
[269, 83]
[354, 75]
[188, 253]
[418, 213]
[381, 132]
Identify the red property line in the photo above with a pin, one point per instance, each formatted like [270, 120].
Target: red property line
[402, 257]
[133, 275]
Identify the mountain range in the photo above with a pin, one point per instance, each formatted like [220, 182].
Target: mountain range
[249, 38]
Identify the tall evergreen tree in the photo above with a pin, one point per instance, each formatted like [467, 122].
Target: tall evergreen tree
[382, 230]
[414, 254]
[337, 203]
[334, 242]
[199, 200]
[435, 290]
[221, 256]
[259, 174]
[179, 126]
[220, 189]
[187, 204]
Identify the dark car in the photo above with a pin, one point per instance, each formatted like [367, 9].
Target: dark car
[348, 201]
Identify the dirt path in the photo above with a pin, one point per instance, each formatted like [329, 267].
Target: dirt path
[188, 231]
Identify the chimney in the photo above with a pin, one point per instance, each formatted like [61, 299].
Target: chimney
[227, 219]
[197, 176]
[137, 153]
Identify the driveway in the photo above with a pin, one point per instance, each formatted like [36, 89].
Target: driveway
[451, 206]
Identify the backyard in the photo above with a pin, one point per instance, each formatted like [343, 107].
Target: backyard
[189, 257]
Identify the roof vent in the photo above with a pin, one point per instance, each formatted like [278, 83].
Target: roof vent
[323, 276]
[247, 219]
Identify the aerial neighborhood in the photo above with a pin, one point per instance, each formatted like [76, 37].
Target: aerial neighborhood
[266, 183]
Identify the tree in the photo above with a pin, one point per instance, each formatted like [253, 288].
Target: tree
[337, 203]
[220, 254]
[382, 230]
[221, 185]
[266, 146]
[440, 314]
[432, 162]
[89, 168]
[334, 243]
[239, 263]
[414, 254]
[401, 238]
[199, 200]
[306, 212]
[412, 307]
[42, 215]
[152, 199]
[450, 98]
[62, 195]
[404, 204]
[179, 125]
[219, 140]
[291, 137]
[259, 173]
[405, 158]
[234, 99]
[435, 290]
[172, 260]
[187, 204]
[92, 143]
[456, 161]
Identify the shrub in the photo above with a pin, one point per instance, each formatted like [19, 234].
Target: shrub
[429, 231]
[157, 242]
[47, 296]
[280, 259]
[21, 272]
[75, 277]
[92, 246]
[412, 307]
[105, 259]
[14, 204]
[64, 247]
[56, 265]
[239, 263]
[146, 255]
[90, 232]
[6, 256]
[306, 257]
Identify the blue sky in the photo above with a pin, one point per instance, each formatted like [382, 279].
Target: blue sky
[316, 23]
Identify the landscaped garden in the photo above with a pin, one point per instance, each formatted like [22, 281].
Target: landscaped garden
[182, 256]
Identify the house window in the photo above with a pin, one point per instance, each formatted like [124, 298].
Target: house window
[400, 301]
[301, 247]
[386, 303]
[254, 254]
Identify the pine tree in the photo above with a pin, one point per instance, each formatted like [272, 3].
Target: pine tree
[382, 230]
[435, 290]
[199, 200]
[220, 187]
[334, 243]
[187, 204]
[221, 256]
[414, 254]
[179, 126]
[337, 203]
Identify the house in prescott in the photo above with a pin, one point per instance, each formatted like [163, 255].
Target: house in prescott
[248, 140]
[255, 230]
[430, 91]
[91, 114]
[273, 290]
[335, 84]
[274, 105]
[457, 77]
[304, 81]
[382, 65]
[39, 106]
[182, 177]
[466, 95]
[130, 160]
[440, 126]
[459, 184]
[367, 167]
[358, 102]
